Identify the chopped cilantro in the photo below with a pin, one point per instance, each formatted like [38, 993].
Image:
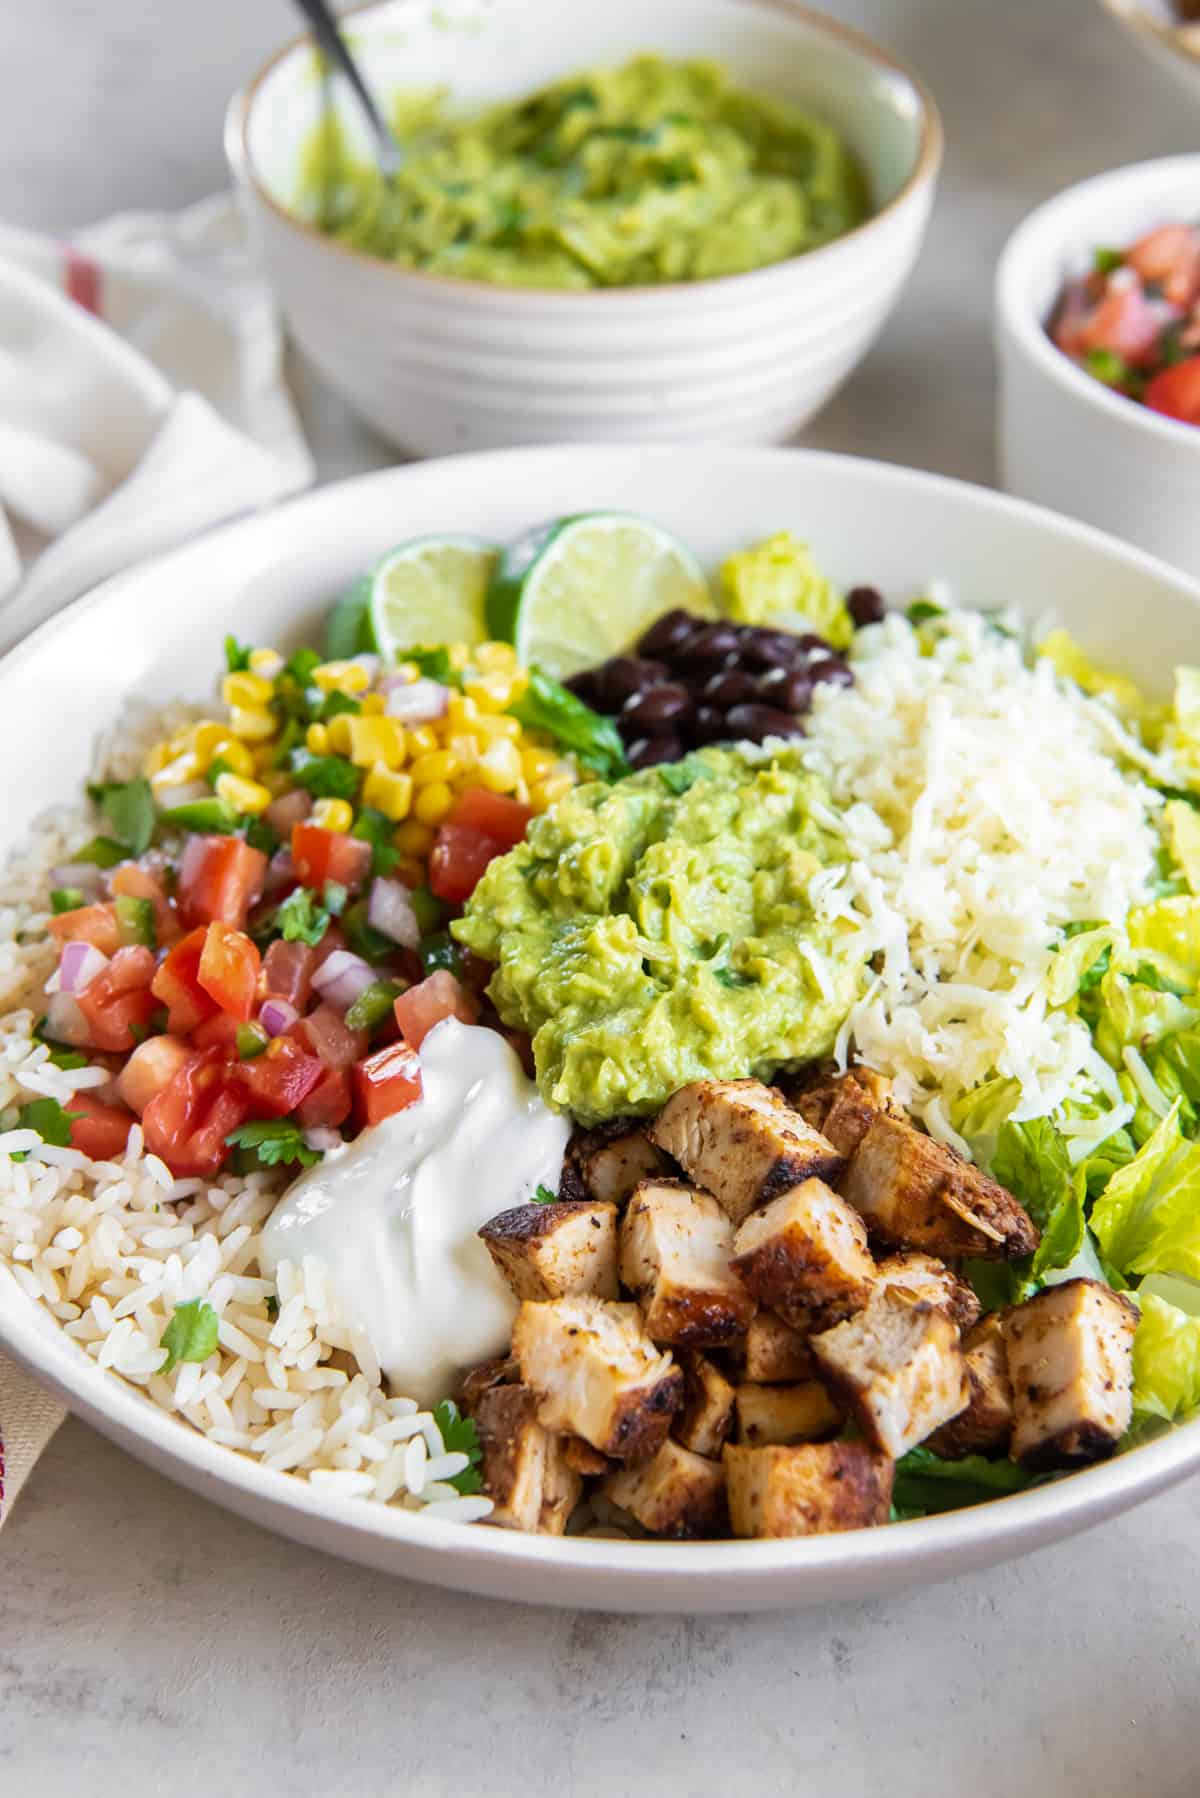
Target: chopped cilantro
[325, 776]
[922, 610]
[51, 1122]
[216, 768]
[275, 1141]
[434, 664]
[66, 899]
[237, 655]
[300, 666]
[300, 919]
[731, 978]
[61, 1056]
[595, 742]
[334, 704]
[460, 1438]
[260, 835]
[128, 808]
[191, 1334]
[375, 827]
[675, 776]
[290, 736]
[543, 1196]
[101, 852]
[272, 1304]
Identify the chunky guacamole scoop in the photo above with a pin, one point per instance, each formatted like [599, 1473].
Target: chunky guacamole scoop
[658, 931]
[654, 171]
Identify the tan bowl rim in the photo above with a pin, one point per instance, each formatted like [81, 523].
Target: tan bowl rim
[1181, 40]
[924, 171]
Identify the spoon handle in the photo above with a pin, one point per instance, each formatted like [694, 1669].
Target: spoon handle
[327, 34]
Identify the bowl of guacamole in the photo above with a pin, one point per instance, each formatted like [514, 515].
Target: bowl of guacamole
[623, 220]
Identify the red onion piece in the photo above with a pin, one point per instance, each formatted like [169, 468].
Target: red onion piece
[281, 872]
[322, 1139]
[417, 700]
[342, 978]
[289, 809]
[276, 1016]
[65, 1023]
[390, 910]
[80, 963]
[186, 794]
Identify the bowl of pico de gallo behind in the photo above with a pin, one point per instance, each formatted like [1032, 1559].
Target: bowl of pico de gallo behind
[1098, 344]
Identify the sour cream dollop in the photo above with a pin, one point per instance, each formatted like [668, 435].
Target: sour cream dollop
[393, 1215]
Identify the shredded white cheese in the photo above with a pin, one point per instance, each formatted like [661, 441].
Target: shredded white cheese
[985, 809]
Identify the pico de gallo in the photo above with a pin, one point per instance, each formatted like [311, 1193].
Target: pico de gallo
[255, 942]
[1133, 321]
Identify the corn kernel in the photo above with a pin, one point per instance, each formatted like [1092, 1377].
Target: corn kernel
[316, 738]
[206, 739]
[332, 814]
[490, 725]
[251, 723]
[410, 872]
[536, 763]
[241, 759]
[243, 795]
[156, 758]
[373, 705]
[421, 739]
[436, 764]
[262, 758]
[465, 750]
[341, 677]
[388, 792]
[245, 690]
[460, 712]
[265, 662]
[337, 733]
[413, 839]
[491, 692]
[499, 767]
[433, 802]
[375, 740]
[460, 656]
[495, 658]
[544, 793]
[521, 792]
[176, 773]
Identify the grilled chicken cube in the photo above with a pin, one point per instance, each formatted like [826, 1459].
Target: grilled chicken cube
[916, 1193]
[676, 1245]
[775, 1353]
[1070, 1360]
[986, 1424]
[582, 1458]
[503, 1371]
[805, 1256]
[597, 1374]
[897, 1367]
[811, 1489]
[614, 1161]
[801, 1413]
[552, 1251]
[678, 1493]
[844, 1106]
[925, 1277]
[522, 1467]
[707, 1415]
[738, 1140]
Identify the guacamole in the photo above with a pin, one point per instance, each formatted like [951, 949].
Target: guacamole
[651, 172]
[658, 931]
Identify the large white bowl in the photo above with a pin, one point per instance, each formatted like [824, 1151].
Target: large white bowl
[1065, 439]
[439, 365]
[158, 631]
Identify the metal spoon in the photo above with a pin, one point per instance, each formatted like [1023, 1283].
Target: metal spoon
[331, 43]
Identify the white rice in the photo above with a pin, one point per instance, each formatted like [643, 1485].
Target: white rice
[111, 1248]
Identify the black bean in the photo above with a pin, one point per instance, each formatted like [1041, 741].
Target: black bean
[668, 633]
[656, 709]
[646, 752]
[706, 725]
[759, 721]
[585, 686]
[865, 605]
[731, 687]
[709, 646]
[809, 642]
[624, 676]
[790, 688]
[769, 649]
[830, 670]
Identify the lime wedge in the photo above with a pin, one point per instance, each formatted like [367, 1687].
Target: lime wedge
[430, 591]
[576, 591]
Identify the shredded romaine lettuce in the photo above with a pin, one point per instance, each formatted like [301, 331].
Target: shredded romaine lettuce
[1166, 1348]
[1147, 1219]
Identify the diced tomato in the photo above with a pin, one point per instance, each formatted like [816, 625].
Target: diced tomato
[1126, 323]
[118, 1004]
[94, 924]
[287, 973]
[228, 971]
[1170, 255]
[492, 814]
[458, 858]
[387, 1082]
[333, 939]
[1176, 391]
[177, 984]
[131, 967]
[326, 1034]
[219, 880]
[280, 1078]
[187, 1122]
[101, 1131]
[423, 1006]
[321, 855]
[289, 809]
[153, 1065]
[328, 1104]
[218, 1032]
[132, 881]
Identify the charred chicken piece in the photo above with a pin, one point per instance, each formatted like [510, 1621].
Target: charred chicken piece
[552, 1251]
[844, 1106]
[675, 1251]
[897, 1367]
[925, 1277]
[523, 1466]
[916, 1193]
[984, 1427]
[775, 1353]
[1070, 1360]
[614, 1160]
[597, 1374]
[801, 1413]
[811, 1489]
[707, 1414]
[739, 1141]
[805, 1256]
[678, 1493]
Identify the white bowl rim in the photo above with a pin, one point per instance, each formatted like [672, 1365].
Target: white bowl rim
[1058, 1509]
[925, 168]
[1016, 316]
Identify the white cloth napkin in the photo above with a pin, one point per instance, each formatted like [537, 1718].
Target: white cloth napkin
[210, 435]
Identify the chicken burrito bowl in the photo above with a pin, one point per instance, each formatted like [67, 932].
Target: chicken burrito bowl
[597, 1047]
